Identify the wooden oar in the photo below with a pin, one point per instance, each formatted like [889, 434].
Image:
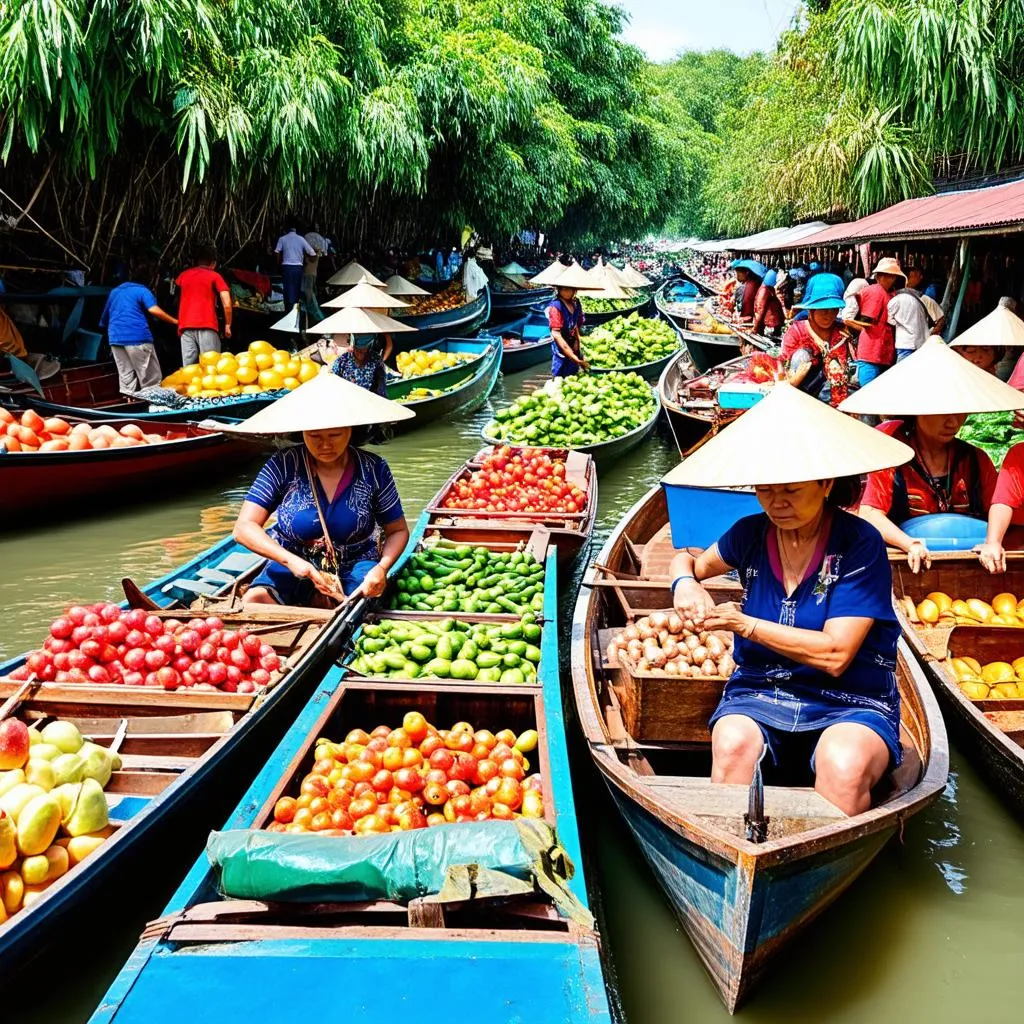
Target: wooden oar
[18, 696]
[135, 597]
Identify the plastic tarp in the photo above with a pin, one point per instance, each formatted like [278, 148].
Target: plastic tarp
[773, 238]
[458, 861]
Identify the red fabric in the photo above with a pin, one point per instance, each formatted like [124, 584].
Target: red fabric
[923, 500]
[256, 281]
[799, 336]
[1017, 377]
[555, 321]
[767, 310]
[197, 307]
[877, 343]
[751, 287]
[1010, 485]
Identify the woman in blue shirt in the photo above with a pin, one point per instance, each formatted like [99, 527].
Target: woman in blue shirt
[339, 521]
[128, 332]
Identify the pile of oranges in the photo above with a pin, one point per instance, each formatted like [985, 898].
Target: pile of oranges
[261, 368]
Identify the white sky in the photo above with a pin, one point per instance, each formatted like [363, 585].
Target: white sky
[661, 27]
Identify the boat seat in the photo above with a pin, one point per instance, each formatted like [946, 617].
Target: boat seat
[197, 587]
[239, 561]
[688, 796]
[216, 576]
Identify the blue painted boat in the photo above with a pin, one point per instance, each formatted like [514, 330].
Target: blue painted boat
[740, 901]
[173, 743]
[213, 957]
[529, 344]
[513, 303]
[465, 388]
[462, 322]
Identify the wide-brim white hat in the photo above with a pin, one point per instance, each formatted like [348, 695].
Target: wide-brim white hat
[550, 274]
[575, 276]
[605, 276]
[353, 273]
[787, 438]
[365, 296]
[513, 269]
[398, 285]
[934, 381]
[324, 403]
[1002, 328]
[633, 278]
[359, 321]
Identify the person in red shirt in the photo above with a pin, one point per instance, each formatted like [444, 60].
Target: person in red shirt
[749, 274]
[769, 318]
[1007, 509]
[201, 287]
[876, 346]
[945, 475]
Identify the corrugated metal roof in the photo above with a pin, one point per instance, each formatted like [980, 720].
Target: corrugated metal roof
[950, 213]
[773, 238]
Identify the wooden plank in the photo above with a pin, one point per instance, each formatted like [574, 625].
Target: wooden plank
[204, 723]
[157, 762]
[126, 699]
[175, 744]
[701, 796]
[140, 783]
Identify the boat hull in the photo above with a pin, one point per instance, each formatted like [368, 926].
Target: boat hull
[459, 322]
[462, 401]
[709, 350]
[507, 306]
[238, 408]
[649, 371]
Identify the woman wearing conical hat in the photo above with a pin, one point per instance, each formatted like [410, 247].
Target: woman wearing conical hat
[339, 521]
[815, 633]
[928, 397]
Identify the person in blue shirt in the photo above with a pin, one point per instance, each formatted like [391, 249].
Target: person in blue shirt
[815, 640]
[129, 334]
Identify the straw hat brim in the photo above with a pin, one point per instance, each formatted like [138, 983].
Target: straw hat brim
[398, 285]
[324, 403]
[550, 274]
[633, 277]
[289, 322]
[789, 437]
[359, 321]
[1000, 329]
[365, 296]
[576, 277]
[353, 273]
[934, 381]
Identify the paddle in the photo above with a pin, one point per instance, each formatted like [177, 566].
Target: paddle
[18, 696]
[23, 372]
[755, 820]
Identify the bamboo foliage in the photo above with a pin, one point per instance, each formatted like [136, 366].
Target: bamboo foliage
[176, 119]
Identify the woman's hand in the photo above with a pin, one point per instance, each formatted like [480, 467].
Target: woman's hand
[303, 570]
[729, 616]
[992, 556]
[374, 582]
[919, 557]
[692, 601]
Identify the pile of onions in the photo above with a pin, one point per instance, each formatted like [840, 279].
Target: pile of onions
[665, 642]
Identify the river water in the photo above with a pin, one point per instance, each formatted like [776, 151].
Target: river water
[934, 930]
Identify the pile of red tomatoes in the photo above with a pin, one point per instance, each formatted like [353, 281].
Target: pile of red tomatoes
[415, 776]
[517, 480]
[31, 433]
[105, 644]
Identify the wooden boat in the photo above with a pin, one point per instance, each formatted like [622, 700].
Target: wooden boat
[511, 958]
[689, 400]
[570, 533]
[461, 322]
[232, 408]
[603, 452]
[739, 901]
[470, 384]
[171, 744]
[37, 483]
[991, 732]
[710, 350]
[512, 303]
[526, 342]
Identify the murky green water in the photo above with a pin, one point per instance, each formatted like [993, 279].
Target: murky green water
[933, 932]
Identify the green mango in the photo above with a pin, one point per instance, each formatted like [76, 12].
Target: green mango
[90, 813]
[46, 751]
[8, 842]
[38, 824]
[14, 800]
[64, 735]
[10, 779]
[40, 772]
[67, 768]
[96, 763]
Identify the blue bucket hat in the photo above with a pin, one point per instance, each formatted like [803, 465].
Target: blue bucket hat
[770, 279]
[824, 291]
[752, 265]
[814, 266]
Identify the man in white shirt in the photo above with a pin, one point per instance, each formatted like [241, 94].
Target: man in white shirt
[311, 264]
[913, 316]
[291, 250]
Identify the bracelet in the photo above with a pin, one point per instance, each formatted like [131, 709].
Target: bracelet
[678, 580]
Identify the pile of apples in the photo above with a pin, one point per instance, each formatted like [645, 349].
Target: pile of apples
[105, 644]
[415, 776]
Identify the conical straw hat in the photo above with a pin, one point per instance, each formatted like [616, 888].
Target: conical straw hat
[398, 285]
[513, 269]
[789, 437]
[934, 381]
[353, 273]
[365, 296]
[322, 403]
[359, 321]
[289, 322]
[604, 275]
[549, 275]
[1001, 328]
[575, 276]
[633, 277]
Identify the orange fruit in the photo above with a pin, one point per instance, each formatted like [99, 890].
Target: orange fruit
[270, 380]
[1004, 604]
[928, 611]
[942, 601]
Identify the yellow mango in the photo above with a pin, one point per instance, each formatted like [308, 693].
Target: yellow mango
[973, 663]
[960, 609]
[974, 691]
[8, 841]
[1004, 691]
[997, 672]
[33, 893]
[980, 610]
[1004, 604]
[12, 890]
[941, 601]
[1018, 666]
[38, 824]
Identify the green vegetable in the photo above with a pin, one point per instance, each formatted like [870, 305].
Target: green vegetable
[993, 432]
[629, 341]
